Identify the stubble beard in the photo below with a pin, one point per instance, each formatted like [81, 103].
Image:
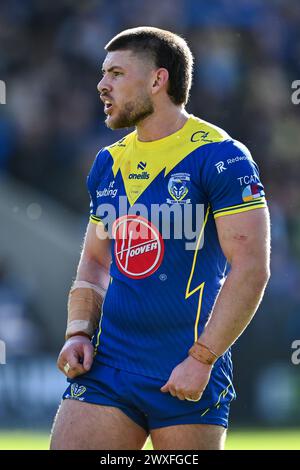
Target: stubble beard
[132, 113]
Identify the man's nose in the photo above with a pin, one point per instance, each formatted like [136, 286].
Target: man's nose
[103, 85]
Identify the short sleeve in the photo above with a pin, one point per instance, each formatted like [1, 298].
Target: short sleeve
[92, 184]
[231, 179]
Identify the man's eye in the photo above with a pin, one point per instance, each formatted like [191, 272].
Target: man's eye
[115, 74]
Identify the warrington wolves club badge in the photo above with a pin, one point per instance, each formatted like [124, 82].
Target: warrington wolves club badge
[178, 187]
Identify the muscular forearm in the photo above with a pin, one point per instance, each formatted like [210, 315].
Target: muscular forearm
[86, 297]
[236, 304]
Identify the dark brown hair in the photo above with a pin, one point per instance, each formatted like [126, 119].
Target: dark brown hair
[167, 50]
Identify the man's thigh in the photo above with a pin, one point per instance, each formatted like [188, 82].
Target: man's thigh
[189, 436]
[85, 426]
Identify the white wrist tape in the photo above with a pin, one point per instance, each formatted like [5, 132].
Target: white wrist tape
[75, 326]
[84, 308]
[88, 285]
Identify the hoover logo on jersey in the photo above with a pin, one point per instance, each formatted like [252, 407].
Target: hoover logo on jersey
[139, 247]
[252, 192]
[178, 187]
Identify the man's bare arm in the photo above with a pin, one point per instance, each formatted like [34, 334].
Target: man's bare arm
[95, 258]
[245, 241]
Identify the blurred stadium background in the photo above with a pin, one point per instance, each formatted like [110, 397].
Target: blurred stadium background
[247, 54]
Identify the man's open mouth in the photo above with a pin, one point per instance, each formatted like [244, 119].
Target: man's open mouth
[107, 107]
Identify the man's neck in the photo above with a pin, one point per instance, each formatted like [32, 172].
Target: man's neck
[161, 124]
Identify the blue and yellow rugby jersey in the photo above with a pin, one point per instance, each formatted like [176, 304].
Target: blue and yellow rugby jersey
[162, 292]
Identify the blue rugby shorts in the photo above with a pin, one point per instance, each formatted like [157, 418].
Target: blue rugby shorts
[140, 398]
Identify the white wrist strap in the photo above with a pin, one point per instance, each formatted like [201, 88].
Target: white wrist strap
[88, 285]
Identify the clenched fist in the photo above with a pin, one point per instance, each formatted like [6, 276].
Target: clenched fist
[76, 356]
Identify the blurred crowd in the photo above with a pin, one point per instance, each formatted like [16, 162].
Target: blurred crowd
[247, 54]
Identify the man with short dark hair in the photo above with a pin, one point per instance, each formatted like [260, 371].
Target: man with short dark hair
[154, 357]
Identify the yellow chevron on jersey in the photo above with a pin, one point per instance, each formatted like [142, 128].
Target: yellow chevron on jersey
[128, 152]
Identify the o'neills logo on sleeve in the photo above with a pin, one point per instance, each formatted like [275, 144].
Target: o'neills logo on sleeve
[139, 247]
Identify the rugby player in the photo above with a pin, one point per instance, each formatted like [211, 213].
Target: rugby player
[150, 320]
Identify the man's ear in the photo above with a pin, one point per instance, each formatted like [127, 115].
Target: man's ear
[160, 79]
